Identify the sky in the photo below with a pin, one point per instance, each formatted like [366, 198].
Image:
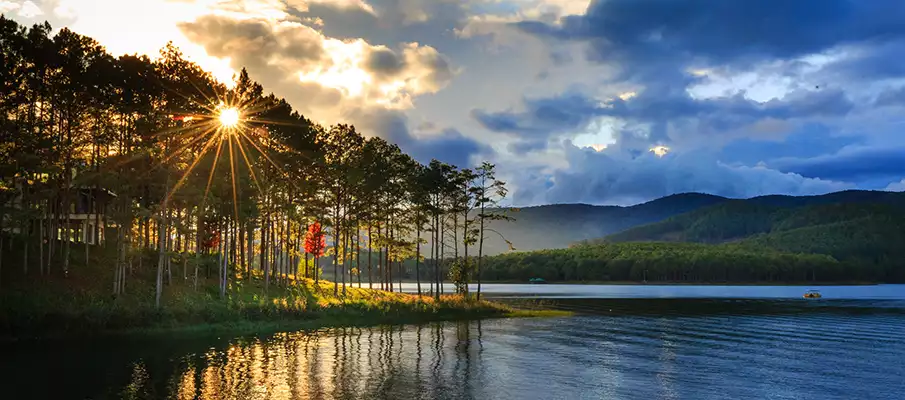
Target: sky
[575, 101]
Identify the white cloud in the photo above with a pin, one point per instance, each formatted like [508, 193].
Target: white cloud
[896, 186]
[7, 6]
[292, 57]
[24, 9]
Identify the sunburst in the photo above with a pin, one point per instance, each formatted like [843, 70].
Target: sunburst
[231, 120]
[229, 117]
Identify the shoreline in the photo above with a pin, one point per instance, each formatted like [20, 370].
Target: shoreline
[36, 315]
[270, 327]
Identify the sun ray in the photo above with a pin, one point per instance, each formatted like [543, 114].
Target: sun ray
[178, 151]
[263, 153]
[188, 171]
[232, 173]
[251, 170]
[210, 177]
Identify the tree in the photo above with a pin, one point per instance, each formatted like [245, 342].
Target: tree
[487, 192]
[315, 243]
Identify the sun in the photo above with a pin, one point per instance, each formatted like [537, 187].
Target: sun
[229, 117]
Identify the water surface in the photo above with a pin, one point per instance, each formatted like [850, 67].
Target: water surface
[763, 347]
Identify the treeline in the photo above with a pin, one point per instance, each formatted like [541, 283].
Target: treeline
[131, 155]
[675, 262]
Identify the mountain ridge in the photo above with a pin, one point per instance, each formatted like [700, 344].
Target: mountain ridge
[561, 225]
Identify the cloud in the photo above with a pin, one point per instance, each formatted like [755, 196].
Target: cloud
[896, 186]
[658, 32]
[23, 9]
[286, 50]
[750, 97]
[618, 178]
[806, 141]
[573, 112]
[891, 97]
[853, 163]
[447, 145]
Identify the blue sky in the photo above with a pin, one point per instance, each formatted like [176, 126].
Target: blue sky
[602, 102]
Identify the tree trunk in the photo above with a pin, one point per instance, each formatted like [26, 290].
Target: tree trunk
[250, 251]
[370, 261]
[418, 255]
[466, 262]
[358, 251]
[41, 236]
[345, 270]
[442, 250]
[336, 232]
[480, 250]
[263, 257]
[160, 258]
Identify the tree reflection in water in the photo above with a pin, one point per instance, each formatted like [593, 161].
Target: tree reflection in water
[343, 363]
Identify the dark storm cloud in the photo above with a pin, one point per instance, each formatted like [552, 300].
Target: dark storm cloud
[810, 140]
[655, 32]
[852, 164]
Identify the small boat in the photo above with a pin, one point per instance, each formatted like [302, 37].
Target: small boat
[812, 294]
[537, 280]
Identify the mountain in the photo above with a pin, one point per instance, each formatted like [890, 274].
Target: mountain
[853, 236]
[866, 229]
[737, 219]
[559, 225]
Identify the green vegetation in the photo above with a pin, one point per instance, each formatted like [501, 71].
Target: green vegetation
[82, 304]
[666, 262]
[756, 240]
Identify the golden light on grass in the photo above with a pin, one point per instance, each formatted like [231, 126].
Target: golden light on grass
[229, 117]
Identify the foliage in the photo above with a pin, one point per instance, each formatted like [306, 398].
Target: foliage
[863, 231]
[315, 241]
[673, 262]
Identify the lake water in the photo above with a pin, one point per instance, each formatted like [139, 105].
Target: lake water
[627, 342]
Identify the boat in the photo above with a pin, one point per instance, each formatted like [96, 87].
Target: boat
[812, 294]
[537, 280]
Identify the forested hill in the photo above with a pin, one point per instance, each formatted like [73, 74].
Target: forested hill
[840, 237]
[737, 219]
[559, 225]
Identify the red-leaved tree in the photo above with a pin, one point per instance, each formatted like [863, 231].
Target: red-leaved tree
[315, 243]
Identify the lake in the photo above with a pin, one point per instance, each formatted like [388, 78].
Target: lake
[626, 342]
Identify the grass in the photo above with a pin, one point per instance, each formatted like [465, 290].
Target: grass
[82, 305]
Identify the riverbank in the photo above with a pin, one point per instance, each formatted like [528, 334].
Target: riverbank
[61, 308]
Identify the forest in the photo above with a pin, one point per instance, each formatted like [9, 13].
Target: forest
[129, 172]
[738, 241]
